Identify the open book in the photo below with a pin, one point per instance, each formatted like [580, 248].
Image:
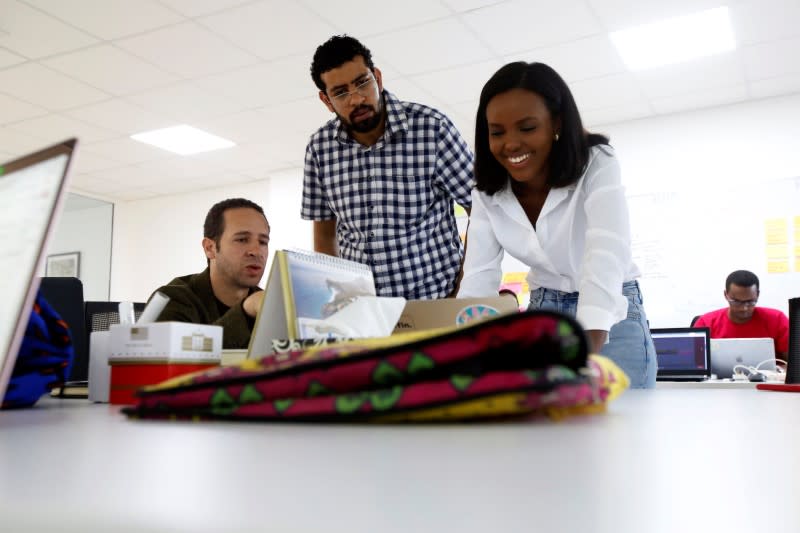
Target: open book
[303, 290]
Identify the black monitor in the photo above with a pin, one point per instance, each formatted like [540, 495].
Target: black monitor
[793, 362]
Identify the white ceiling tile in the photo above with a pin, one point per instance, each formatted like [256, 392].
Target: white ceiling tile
[610, 91]
[620, 14]
[458, 84]
[468, 5]
[301, 116]
[188, 50]
[121, 117]
[581, 59]
[696, 100]
[88, 163]
[109, 19]
[426, 51]
[53, 128]
[126, 151]
[595, 118]
[111, 180]
[8, 58]
[179, 168]
[409, 91]
[271, 28]
[394, 15]
[765, 20]
[196, 8]
[258, 157]
[18, 144]
[13, 109]
[527, 24]
[775, 86]
[131, 195]
[185, 102]
[467, 109]
[427, 47]
[770, 60]
[205, 182]
[248, 126]
[41, 86]
[693, 76]
[264, 84]
[33, 34]
[110, 69]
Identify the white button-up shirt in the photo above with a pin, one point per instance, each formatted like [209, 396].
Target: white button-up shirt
[581, 242]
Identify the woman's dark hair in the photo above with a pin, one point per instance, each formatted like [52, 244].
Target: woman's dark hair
[334, 53]
[568, 156]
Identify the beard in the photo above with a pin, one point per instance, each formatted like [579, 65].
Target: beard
[368, 124]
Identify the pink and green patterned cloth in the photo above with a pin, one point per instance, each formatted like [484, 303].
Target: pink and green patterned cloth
[518, 364]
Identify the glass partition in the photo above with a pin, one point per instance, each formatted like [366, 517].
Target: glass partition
[82, 245]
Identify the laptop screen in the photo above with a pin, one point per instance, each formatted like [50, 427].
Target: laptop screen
[682, 352]
[31, 193]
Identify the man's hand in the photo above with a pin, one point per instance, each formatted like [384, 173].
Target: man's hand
[325, 237]
[252, 303]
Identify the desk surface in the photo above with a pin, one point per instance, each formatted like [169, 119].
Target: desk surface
[663, 460]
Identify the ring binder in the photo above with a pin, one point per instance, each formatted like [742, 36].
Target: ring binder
[304, 288]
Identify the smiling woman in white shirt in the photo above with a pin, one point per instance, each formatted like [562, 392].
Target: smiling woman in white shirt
[549, 193]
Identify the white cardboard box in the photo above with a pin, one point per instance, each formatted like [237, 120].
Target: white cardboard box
[170, 341]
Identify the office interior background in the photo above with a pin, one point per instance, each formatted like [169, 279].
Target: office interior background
[708, 147]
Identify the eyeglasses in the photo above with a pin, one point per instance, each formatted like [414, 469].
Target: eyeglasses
[742, 303]
[362, 87]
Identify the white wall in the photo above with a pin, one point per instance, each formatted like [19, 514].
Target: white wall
[723, 172]
[729, 154]
[158, 239]
[87, 231]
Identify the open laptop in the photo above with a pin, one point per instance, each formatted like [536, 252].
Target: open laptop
[448, 312]
[683, 354]
[32, 191]
[727, 353]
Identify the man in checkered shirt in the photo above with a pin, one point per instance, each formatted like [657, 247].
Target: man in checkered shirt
[381, 178]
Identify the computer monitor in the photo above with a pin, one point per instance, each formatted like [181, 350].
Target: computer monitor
[32, 191]
[793, 362]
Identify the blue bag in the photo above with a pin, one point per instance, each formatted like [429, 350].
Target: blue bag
[44, 360]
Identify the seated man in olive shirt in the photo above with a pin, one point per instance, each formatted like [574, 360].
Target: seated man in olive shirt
[236, 244]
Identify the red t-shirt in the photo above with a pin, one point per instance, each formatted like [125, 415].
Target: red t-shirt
[765, 322]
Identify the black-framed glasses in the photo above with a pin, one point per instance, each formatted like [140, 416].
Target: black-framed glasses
[362, 87]
[742, 303]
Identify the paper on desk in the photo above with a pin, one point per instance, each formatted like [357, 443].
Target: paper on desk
[366, 316]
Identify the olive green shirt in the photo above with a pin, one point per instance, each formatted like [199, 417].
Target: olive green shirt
[191, 299]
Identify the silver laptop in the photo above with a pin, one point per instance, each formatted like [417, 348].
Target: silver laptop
[32, 191]
[728, 353]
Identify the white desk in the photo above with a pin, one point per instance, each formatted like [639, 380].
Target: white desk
[659, 461]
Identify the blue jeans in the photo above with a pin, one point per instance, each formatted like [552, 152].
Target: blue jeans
[629, 343]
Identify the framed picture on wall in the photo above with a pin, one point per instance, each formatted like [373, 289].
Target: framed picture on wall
[63, 265]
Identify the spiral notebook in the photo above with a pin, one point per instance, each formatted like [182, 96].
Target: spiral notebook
[303, 289]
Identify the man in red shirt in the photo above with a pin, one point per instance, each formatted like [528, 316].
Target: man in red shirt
[743, 319]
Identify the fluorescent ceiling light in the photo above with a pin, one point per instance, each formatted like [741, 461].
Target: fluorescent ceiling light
[183, 140]
[675, 40]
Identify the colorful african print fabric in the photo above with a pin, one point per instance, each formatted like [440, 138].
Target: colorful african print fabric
[531, 362]
[44, 359]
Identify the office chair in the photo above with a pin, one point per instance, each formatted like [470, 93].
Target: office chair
[694, 321]
[101, 315]
[65, 295]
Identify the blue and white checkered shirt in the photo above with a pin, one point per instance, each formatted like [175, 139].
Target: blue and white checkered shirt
[393, 201]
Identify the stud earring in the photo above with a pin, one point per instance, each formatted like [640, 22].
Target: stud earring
[556, 137]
